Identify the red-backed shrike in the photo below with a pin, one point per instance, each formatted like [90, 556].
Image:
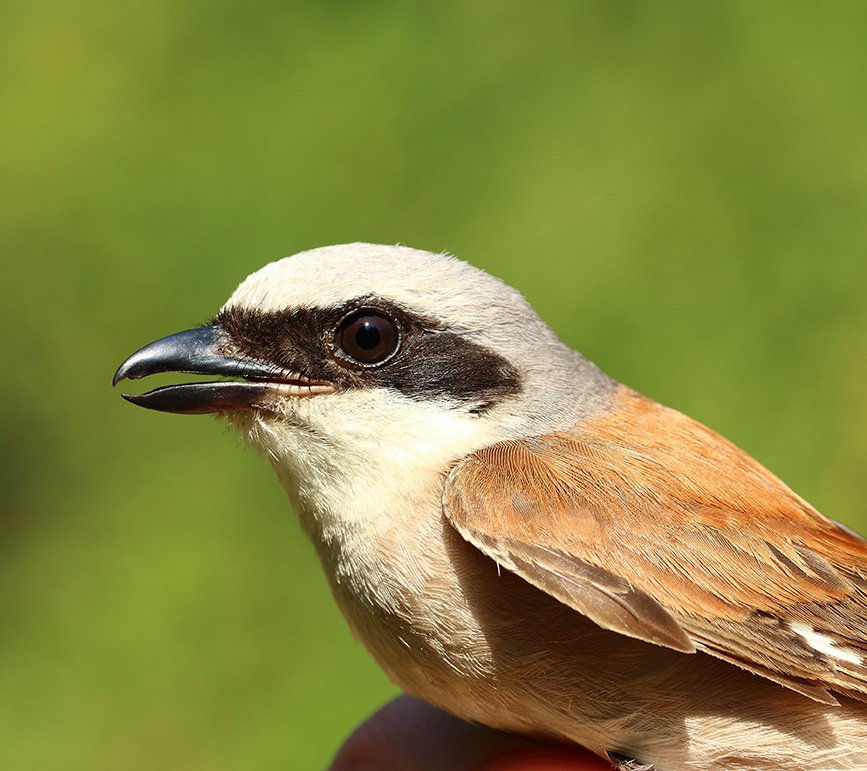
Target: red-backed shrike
[523, 541]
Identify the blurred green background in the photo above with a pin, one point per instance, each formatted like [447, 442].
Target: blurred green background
[679, 188]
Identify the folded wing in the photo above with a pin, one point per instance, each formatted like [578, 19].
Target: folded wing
[654, 526]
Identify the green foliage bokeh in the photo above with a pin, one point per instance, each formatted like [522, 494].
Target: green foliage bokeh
[680, 189]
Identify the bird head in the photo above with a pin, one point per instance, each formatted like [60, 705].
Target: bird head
[345, 356]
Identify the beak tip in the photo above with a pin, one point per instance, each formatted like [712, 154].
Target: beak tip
[182, 352]
[129, 370]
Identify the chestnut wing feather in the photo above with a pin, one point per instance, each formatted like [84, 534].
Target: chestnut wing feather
[656, 527]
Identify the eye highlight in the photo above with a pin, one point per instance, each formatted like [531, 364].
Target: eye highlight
[367, 337]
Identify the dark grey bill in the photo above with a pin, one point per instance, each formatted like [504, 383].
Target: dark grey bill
[198, 351]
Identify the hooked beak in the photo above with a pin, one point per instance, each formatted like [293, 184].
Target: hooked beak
[203, 352]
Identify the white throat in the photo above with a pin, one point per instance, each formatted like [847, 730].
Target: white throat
[361, 460]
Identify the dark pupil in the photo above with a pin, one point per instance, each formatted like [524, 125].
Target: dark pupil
[367, 337]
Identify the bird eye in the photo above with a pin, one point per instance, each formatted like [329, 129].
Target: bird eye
[367, 337]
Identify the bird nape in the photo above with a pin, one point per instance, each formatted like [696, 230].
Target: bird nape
[521, 540]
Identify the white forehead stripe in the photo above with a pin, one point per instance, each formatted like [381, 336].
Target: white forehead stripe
[824, 644]
[432, 284]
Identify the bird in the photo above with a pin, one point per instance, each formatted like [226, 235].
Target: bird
[523, 541]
